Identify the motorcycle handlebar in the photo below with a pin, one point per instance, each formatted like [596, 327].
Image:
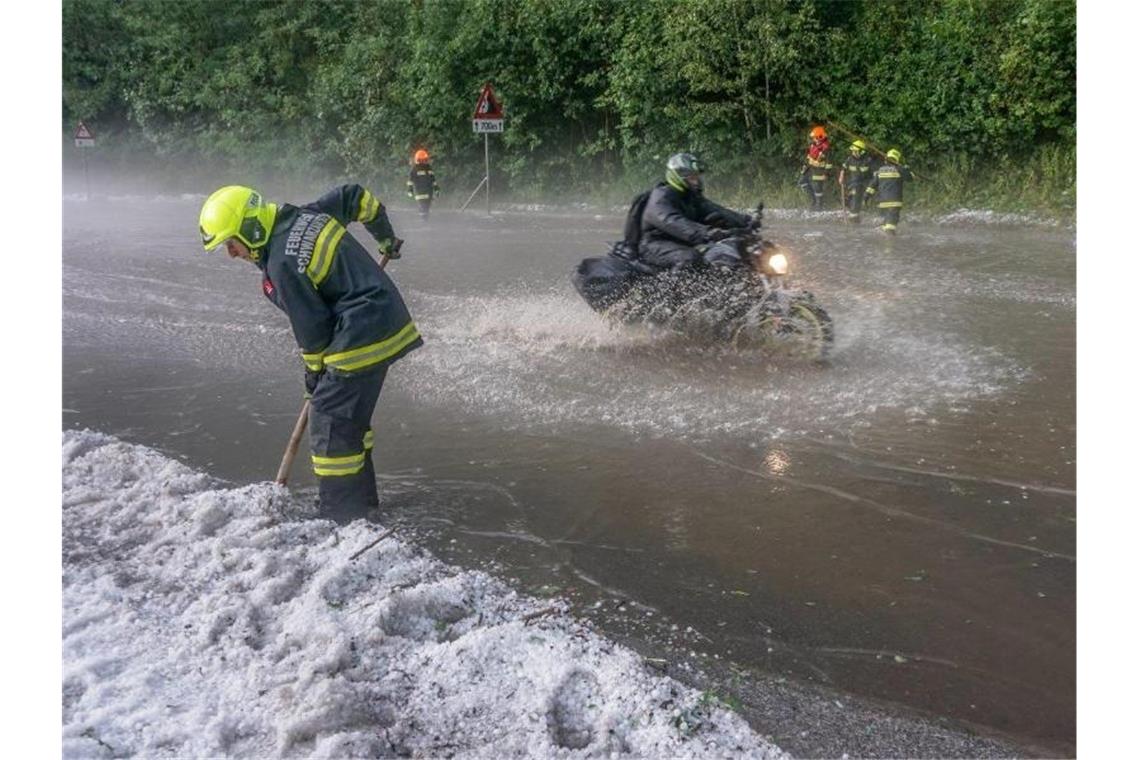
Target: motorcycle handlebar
[747, 233]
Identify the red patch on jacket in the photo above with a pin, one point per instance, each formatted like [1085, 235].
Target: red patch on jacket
[267, 288]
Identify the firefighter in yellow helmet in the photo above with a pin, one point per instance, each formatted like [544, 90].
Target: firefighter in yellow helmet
[854, 175]
[347, 316]
[887, 184]
[422, 187]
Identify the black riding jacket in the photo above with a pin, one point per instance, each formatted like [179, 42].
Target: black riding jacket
[672, 216]
[346, 313]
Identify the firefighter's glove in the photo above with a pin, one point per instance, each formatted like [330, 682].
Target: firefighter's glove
[436, 192]
[390, 247]
[312, 377]
[716, 235]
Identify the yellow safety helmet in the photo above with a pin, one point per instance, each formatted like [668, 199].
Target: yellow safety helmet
[238, 212]
[894, 154]
[858, 146]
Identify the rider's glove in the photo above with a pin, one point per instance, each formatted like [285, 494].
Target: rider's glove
[312, 377]
[716, 234]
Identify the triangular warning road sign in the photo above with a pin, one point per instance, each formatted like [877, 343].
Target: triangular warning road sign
[83, 133]
[488, 106]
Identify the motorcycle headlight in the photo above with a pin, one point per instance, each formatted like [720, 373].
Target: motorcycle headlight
[776, 263]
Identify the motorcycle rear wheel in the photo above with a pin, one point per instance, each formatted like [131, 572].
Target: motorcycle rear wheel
[804, 332]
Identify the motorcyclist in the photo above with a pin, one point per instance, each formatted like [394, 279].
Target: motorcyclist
[677, 217]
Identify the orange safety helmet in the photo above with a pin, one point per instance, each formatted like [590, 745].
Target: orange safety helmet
[818, 133]
[422, 156]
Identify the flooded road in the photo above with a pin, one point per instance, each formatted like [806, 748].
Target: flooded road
[898, 525]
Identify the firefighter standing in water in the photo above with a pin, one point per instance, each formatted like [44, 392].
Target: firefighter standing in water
[422, 186]
[347, 316]
[816, 168]
[854, 174]
[887, 182]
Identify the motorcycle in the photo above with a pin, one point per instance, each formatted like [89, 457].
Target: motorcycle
[739, 296]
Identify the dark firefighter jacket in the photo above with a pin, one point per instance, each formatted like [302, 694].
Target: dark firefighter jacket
[346, 313]
[817, 160]
[887, 182]
[671, 216]
[856, 171]
[421, 182]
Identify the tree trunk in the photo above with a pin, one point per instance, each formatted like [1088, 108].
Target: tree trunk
[767, 105]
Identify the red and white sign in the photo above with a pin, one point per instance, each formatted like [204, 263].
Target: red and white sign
[488, 116]
[84, 137]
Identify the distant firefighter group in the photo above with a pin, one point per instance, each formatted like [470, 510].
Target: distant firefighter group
[860, 179]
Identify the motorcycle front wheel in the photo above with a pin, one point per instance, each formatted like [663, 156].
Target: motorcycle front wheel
[805, 332]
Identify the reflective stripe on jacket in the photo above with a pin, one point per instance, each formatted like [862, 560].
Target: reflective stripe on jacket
[887, 181]
[421, 182]
[345, 312]
[856, 172]
[817, 158]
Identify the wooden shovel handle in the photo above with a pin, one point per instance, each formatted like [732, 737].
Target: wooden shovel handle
[294, 444]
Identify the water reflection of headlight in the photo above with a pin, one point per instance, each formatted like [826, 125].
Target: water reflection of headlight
[776, 461]
[777, 264]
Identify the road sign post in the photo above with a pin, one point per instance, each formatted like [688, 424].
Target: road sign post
[488, 118]
[84, 139]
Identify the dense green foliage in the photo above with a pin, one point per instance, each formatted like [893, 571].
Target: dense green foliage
[979, 94]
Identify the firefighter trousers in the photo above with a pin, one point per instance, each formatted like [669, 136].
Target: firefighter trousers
[425, 206]
[890, 217]
[812, 181]
[818, 181]
[855, 201]
[340, 436]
